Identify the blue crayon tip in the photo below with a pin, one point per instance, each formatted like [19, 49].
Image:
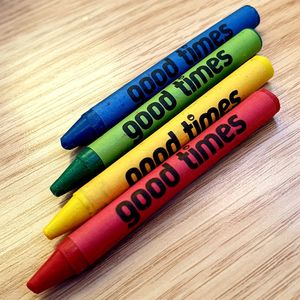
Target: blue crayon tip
[76, 135]
[84, 131]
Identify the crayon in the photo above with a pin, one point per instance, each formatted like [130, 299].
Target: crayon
[158, 110]
[121, 103]
[98, 235]
[135, 164]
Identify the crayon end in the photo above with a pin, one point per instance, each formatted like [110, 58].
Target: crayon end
[84, 167]
[88, 128]
[251, 10]
[75, 175]
[257, 35]
[79, 134]
[273, 97]
[32, 286]
[73, 214]
[56, 189]
[67, 141]
[49, 232]
[267, 63]
[54, 271]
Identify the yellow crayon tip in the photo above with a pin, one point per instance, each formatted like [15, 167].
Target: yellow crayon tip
[69, 217]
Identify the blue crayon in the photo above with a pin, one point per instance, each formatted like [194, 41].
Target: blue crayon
[125, 100]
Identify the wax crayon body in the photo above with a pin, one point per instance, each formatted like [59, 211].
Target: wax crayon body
[94, 238]
[135, 164]
[158, 110]
[115, 107]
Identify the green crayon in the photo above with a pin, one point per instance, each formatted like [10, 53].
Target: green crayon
[158, 110]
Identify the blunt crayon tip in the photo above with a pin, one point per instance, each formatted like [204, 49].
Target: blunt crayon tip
[70, 178]
[74, 213]
[84, 167]
[66, 142]
[76, 135]
[84, 131]
[54, 271]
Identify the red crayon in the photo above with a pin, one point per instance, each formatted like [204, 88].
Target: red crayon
[99, 234]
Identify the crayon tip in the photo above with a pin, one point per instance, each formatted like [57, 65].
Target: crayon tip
[77, 135]
[73, 214]
[70, 178]
[83, 168]
[54, 271]
[66, 141]
[88, 128]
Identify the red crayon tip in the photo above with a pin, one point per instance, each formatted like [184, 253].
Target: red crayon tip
[54, 271]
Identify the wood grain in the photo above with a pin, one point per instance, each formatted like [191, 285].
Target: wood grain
[233, 234]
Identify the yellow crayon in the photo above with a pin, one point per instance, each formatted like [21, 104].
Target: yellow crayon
[118, 177]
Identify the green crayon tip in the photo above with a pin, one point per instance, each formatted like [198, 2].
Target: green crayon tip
[84, 167]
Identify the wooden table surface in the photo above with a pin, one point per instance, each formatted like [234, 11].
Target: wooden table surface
[232, 234]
